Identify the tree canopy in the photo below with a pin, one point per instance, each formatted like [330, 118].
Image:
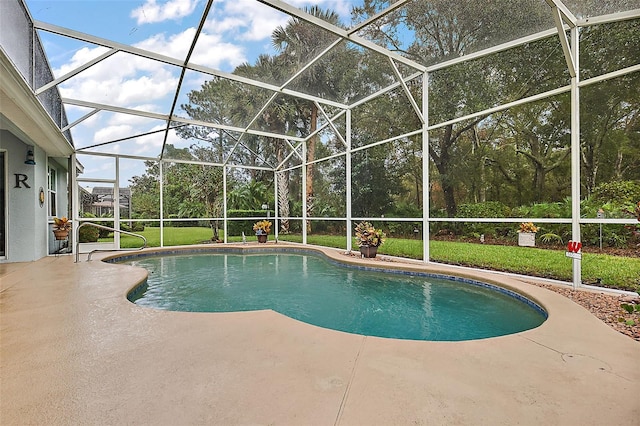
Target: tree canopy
[517, 156]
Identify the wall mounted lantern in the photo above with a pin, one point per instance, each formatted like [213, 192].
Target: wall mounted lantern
[30, 158]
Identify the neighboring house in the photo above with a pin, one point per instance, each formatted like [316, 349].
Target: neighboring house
[35, 155]
[99, 201]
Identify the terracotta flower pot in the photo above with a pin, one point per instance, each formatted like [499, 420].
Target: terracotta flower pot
[61, 234]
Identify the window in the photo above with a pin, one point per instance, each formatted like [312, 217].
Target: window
[51, 189]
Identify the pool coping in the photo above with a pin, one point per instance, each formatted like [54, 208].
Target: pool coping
[75, 350]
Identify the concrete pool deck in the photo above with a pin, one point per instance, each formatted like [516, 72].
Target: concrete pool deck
[74, 350]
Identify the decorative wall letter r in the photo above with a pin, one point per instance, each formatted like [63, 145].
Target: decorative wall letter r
[21, 180]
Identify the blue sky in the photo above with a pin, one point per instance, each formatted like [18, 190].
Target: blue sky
[236, 31]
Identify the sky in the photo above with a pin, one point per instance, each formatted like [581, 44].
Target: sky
[236, 32]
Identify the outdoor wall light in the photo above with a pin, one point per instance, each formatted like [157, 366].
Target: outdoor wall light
[30, 158]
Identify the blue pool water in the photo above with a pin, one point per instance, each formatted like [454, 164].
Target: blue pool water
[310, 289]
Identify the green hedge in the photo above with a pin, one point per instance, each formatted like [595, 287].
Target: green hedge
[237, 227]
[88, 234]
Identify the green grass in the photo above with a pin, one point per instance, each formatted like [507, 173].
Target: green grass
[611, 271]
[172, 237]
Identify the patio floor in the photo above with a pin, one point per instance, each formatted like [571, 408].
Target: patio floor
[74, 350]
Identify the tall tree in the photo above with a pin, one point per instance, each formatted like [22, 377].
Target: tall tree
[444, 29]
[298, 43]
[610, 112]
[281, 116]
[541, 132]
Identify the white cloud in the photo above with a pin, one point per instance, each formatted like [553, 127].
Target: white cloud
[122, 83]
[212, 51]
[80, 57]
[246, 20]
[110, 133]
[175, 45]
[342, 7]
[152, 12]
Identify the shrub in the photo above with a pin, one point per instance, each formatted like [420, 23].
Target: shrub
[547, 210]
[134, 227]
[619, 192]
[486, 209]
[237, 227]
[88, 234]
[617, 199]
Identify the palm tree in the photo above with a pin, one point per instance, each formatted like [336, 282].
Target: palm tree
[298, 43]
[281, 117]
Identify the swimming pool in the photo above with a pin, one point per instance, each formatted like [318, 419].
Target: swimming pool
[310, 288]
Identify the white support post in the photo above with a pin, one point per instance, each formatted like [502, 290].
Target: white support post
[116, 205]
[161, 216]
[275, 204]
[304, 192]
[75, 204]
[224, 202]
[566, 49]
[348, 181]
[425, 168]
[575, 158]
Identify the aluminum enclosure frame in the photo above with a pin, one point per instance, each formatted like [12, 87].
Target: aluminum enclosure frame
[564, 21]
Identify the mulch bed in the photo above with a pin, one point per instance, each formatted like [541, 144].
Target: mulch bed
[604, 306]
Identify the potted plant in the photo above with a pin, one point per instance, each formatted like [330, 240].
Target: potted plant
[369, 239]
[527, 234]
[262, 229]
[61, 227]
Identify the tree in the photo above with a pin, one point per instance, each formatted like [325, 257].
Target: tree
[610, 112]
[444, 29]
[145, 190]
[541, 132]
[298, 43]
[281, 116]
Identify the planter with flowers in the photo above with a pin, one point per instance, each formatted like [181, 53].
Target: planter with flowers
[527, 234]
[61, 227]
[262, 229]
[369, 239]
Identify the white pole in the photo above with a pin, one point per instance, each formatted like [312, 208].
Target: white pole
[575, 158]
[425, 169]
[116, 205]
[224, 203]
[75, 203]
[304, 192]
[160, 168]
[348, 181]
[275, 204]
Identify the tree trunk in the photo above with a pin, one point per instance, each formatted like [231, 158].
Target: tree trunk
[283, 188]
[311, 153]
[444, 166]
[539, 177]
[283, 200]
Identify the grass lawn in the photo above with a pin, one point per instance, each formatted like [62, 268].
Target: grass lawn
[612, 271]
